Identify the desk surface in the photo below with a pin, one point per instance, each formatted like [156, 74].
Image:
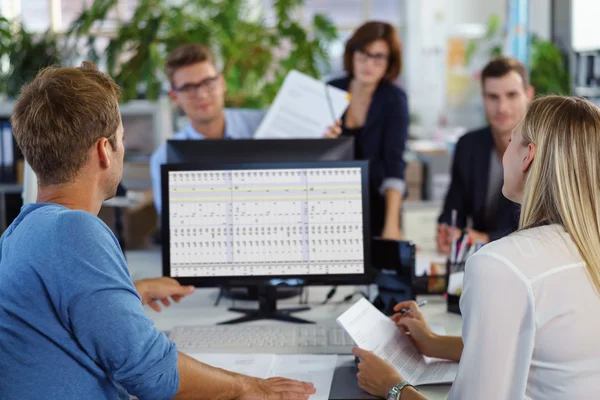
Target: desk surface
[199, 309]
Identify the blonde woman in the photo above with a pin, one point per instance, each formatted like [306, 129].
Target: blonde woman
[531, 301]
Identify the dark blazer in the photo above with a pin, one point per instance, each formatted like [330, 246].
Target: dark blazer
[383, 137]
[469, 186]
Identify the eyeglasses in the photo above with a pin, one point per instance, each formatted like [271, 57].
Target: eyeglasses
[379, 58]
[208, 85]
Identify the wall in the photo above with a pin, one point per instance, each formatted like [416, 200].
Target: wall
[426, 50]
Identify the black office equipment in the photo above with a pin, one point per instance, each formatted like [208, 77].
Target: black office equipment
[260, 150]
[265, 225]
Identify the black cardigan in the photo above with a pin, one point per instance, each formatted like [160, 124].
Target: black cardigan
[383, 137]
[469, 186]
[381, 141]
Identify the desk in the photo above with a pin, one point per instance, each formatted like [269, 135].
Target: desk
[199, 309]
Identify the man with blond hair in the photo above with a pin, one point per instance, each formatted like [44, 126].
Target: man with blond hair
[72, 324]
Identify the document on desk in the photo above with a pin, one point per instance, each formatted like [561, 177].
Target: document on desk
[317, 369]
[303, 109]
[374, 331]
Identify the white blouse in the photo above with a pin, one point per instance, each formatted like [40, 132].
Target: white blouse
[531, 321]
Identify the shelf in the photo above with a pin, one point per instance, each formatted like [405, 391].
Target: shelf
[134, 107]
[587, 91]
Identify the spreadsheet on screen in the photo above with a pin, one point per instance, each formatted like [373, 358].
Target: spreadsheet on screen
[262, 222]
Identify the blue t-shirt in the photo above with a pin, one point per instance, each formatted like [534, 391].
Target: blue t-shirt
[72, 325]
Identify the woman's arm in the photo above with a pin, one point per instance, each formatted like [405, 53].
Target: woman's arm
[393, 207]
[446, 347]
[416, 328]
[394, 142]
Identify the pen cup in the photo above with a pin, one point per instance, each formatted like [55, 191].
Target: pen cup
[455, 273]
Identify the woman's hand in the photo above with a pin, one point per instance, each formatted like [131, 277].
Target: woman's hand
[392, 233]
[334, 131]
[375, 375]
[413, 325]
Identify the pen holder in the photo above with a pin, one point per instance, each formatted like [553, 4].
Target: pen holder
[455, 273]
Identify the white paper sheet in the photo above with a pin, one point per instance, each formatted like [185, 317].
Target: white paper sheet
[301, 109]
[256, 365]
[373, 331]
[455, 282]
[316, 369]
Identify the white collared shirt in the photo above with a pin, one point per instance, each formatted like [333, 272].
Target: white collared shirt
[239, 124]
[531, 321]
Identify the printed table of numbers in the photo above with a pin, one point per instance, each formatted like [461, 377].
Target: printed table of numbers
[266, 222]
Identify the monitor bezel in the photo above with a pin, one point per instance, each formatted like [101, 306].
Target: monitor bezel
[367, 277]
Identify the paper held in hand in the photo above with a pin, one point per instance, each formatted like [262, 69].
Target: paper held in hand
[303, 109]
[373, 331]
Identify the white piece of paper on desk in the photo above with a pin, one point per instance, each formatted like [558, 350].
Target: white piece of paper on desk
[455, 282]
[302, 109]
[317, 369]
[256, 365]
[373, 331]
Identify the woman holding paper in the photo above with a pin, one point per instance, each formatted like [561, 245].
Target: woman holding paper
[530, 300]
[377, 117]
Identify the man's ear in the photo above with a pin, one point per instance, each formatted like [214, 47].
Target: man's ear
[103, 147]
[530, 93]
[173, 97]
[528, 158]
[223, 83]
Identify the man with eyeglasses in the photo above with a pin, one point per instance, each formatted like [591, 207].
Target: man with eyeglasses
[198, 88]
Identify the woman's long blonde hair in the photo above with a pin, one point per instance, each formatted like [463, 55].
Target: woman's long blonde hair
[563, 183]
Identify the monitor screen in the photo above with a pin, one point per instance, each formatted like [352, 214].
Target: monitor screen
[266, 222]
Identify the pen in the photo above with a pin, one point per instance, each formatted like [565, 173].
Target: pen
[420, 304]
[464, 243]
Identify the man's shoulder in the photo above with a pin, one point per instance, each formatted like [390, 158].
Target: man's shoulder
[243, 122]
[82, 225]
[245, 113]
[477, 135]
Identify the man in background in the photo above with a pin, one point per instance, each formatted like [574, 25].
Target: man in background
[475, 193]
[198, 88]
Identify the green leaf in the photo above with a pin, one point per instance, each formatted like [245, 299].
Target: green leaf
[494, 23]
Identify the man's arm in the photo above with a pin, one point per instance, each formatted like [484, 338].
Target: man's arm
[454, 199]
[198, 381]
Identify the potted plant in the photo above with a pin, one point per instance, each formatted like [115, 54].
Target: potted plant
[26, 53]
[255, 55]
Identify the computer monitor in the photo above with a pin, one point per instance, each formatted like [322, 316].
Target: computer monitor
[266, 224]
[260, 150]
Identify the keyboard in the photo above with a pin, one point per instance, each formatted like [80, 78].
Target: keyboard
[272, 339]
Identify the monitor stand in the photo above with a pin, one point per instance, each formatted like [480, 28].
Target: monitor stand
[267, 301]
[250, 293]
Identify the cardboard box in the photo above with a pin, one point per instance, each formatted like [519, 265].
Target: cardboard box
[139, 222]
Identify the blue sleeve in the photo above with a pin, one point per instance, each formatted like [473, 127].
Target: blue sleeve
[158, 158]
[104, 311]
[395, 135]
